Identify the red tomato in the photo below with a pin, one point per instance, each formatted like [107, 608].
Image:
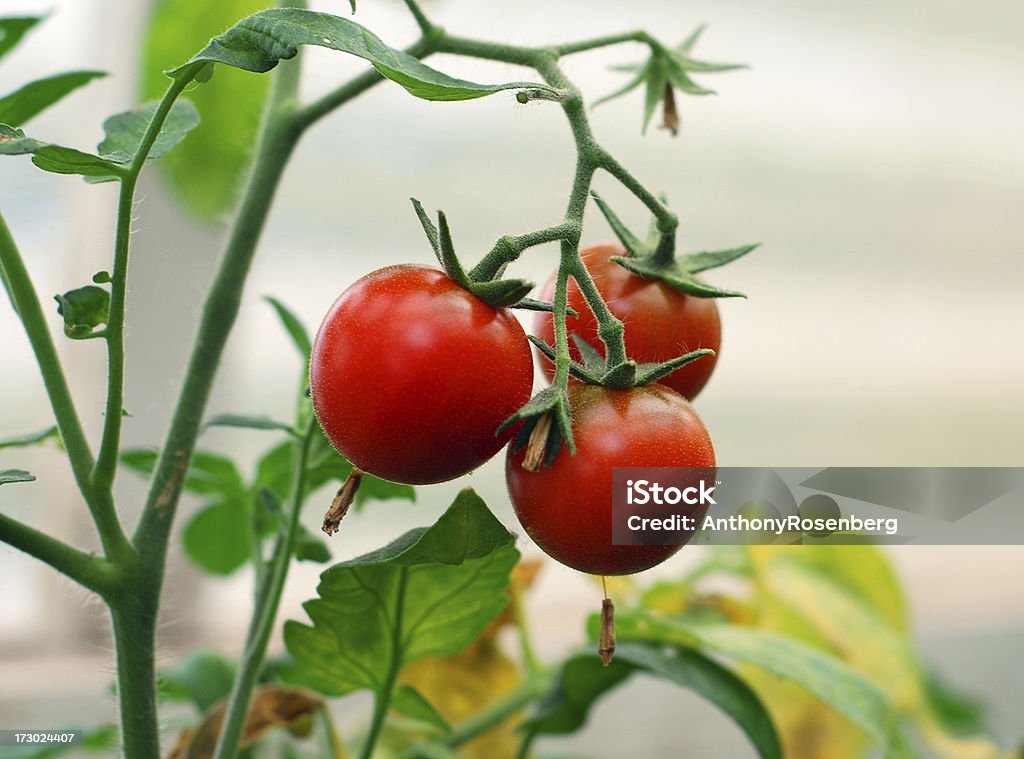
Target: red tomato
[411, 375]
[566, 507]
[661, 323]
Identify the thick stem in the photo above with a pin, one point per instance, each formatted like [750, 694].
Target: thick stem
[91, 572]
[133, 613]
[269, 599]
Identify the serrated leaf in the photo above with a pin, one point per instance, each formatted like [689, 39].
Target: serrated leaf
[202, 677]
[257, 43]
[294, 328]
[833, 682]
[248, 421]
[13, 28]
[124, 131]
[56, 158]
[7, 476]
[206, 171]
[583, 680]
[34, 438]
[83, 310]
[428, 593]
[35, 97]
[217, 539]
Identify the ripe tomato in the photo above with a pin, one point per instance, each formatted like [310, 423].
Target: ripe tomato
[566, 507]
[411, 375]
[661, 322]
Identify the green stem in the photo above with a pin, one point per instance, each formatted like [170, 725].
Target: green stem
[424, 23]
[491, 716]
[527, 744]
[582, 46]
[26, 304]
[133, 611]
[309, 114]
[91, 572]
[530, 659]
[334, 743]
[265, 612]
[508, 248]
[110, 443]
[667, 221]
[382, 700]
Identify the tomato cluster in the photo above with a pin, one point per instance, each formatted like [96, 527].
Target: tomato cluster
[412, 375]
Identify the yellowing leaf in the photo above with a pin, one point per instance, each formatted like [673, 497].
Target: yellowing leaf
[272, 706]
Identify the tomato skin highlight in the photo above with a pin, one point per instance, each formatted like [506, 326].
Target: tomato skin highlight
[566, 507]
[661, 322]
[411, 375]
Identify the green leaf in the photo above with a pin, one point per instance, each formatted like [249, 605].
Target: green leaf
[583, 680]
[294, 328]
[957, 712]
[124, 131]
[428, 593]
[411, 703]
[206, 172]
[8, 476]
[203, 677]
[309, 547]
[35, 97]
[34, 438]
[84, 310]
[208, 473]
[12, 29]
[218, 539]
[247, 421]
[257, 43]
[55, 158]
[848, 692]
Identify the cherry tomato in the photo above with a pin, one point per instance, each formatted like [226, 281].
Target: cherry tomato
[661, 322]
[411, 375]
[566, 507]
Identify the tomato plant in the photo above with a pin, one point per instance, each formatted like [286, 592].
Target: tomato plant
[408, 363]
[660, 321]
[417, 376]
[566, 507]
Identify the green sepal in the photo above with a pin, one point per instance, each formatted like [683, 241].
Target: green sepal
[84, 310]
[667, 68]
[595, 370]
[551, 400]
[529, 304]
[582, 372]
[655, 258]
[648, 373]
[498, 293]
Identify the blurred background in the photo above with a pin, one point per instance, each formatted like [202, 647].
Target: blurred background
[874, 148]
